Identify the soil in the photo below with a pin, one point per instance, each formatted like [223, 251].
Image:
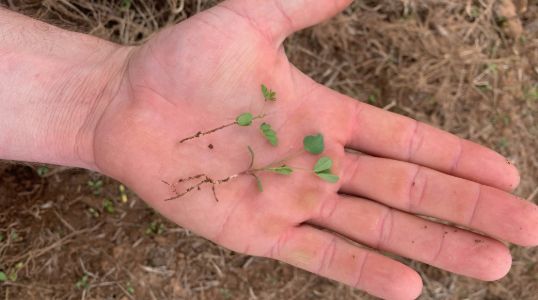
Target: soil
[469, 67]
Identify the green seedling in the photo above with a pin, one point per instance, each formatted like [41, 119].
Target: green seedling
[226, 294]
[155, 228]
[13, 274]
[372, 99]
[94, 212]
[532, 93]
[83, 283]
[42, 171]
[109, 206]
[244, 120]
[129, 288]
[313, 144]
[126, 4]
[96, 186]
[14, 236]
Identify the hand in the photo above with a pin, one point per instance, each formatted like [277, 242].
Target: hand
[204, 72]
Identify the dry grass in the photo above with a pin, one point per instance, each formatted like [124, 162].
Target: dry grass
[470, 67]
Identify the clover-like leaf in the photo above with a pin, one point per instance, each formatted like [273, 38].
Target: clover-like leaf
[269, 134]
[282, 170]
[323, 164]
[268, 94]
[328, 176]
[314, 143]
[3, 276]
[244, 119]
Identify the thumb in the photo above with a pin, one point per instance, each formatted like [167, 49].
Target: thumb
[278, 19]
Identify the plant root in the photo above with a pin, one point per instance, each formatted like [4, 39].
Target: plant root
[206, 180]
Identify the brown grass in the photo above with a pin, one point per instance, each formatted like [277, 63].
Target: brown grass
[465, 66]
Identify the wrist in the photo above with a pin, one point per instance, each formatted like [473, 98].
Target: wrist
[54, 86]
[94, 87]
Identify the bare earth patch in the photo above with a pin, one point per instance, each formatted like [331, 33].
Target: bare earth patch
[469, 67]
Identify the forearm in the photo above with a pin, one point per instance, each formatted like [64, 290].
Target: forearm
[54, 86]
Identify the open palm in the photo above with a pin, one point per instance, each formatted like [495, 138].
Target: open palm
[204, 72]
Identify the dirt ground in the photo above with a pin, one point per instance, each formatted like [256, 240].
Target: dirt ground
[467, 66]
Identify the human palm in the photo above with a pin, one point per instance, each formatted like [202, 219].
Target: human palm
[204, 72]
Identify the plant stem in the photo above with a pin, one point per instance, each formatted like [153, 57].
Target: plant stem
[203, 133]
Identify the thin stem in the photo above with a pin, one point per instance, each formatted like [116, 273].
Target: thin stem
[300, 169]
[203, 133]
[281, 161]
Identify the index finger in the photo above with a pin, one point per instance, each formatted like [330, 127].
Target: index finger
[382, 133]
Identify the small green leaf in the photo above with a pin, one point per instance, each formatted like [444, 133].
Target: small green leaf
[108, 205]
[265, 127]
[3, 276]
[83, 283]
[129, 288]
[314, 143]
[244, 119]
[283, 170]
[323, 164]
[268, 94]
[328, 176]
[269, 134]
[42, 171]
[258, 183]
[126, 4]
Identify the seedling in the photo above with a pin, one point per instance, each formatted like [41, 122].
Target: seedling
[93, 212]
[96, 186]
[123, 193]
[129, 288]
[108, 206]
[14, 236]
[245, 119]
[372, 99]
[532, 93]
[12, 274]
[83, 283]
[313, 144]
[155, 228]
[42, 171]
[126, 4]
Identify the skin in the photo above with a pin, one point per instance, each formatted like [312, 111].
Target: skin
[134, 104]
